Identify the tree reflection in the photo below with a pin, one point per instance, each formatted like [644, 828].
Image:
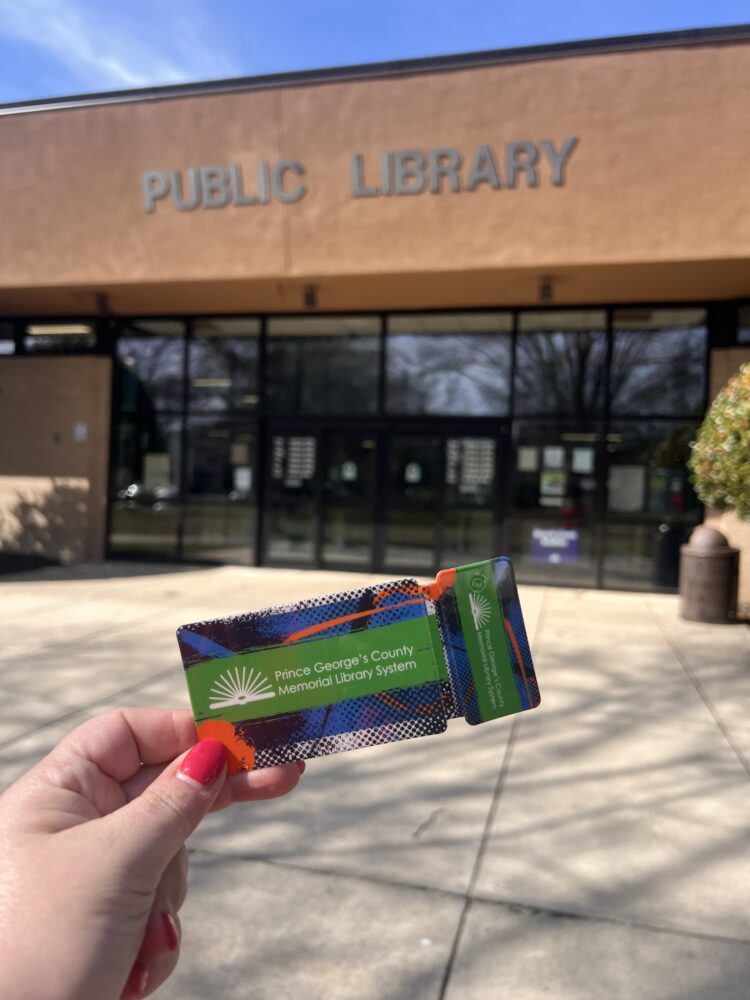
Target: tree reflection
[560, 372]
[150, 372]
[448, 373]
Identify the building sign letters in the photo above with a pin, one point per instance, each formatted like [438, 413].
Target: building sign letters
[396, 173]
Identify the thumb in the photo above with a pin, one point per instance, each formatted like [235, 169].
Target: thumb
[151, 829]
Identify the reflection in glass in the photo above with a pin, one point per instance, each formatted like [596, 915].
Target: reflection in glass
[221, 481]
[644, 555]
[469, 471]
[7, 338]
[548, 549]
[658, 361]
[323, 364]
[66, 336]
[348, 495]
[468, 536]
[411, 539]
[552, 537]
[150, 357]
[452, 363]
[743, 325]
[350, 466]
[555, 468]
[223, 364]
[347, 535]
[291, 507]
[560, 363]
[414, 482]
[414, 470]
[647, 474]
[145, 508]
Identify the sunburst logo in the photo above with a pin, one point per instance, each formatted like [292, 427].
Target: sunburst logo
[235, 688]
[480, 610]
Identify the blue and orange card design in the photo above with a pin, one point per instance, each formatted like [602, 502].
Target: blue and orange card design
[372, 665]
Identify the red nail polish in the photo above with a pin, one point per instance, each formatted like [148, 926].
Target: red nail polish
[204, 763]
[138, 979]
[170, 930]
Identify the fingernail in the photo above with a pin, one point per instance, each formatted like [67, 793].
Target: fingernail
[301, 766]
[170, 930]
[204, 763]
[138, 979]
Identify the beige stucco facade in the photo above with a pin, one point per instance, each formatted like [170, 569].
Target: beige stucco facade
[54, 451]
[654, 204]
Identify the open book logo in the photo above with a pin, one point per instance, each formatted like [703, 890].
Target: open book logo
[235, 688]
[480, 610]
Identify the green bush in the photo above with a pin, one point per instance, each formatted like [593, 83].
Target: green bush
[720, 460]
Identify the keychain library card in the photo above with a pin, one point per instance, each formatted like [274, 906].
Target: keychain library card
[371, 665]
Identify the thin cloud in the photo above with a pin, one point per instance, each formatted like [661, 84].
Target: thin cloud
[105, 51]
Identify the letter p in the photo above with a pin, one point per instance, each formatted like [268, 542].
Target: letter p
[155, 185]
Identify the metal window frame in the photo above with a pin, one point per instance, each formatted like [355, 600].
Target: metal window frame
[382, 424]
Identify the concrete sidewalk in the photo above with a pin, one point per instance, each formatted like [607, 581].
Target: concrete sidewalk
[596, 848]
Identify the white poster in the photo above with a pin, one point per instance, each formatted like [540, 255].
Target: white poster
[583, 461]
[528, 459]
[553, 457]
[243, 478]
[156, 470]
[239, 453]
[627, 488]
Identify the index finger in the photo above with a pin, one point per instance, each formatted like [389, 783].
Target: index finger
[119, 742]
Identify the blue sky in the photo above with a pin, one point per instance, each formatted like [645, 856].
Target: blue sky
[54, 47]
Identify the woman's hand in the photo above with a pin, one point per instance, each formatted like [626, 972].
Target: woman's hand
[92, 858]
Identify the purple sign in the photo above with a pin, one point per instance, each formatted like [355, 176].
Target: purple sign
[554, 545]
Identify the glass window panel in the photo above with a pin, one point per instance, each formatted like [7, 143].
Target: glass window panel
[553, 534]
[414, 470]
[291, 506]
[469, 471]
[468, 536]
[347, 535]
[7, 338]
[150, 356]
[410, 541]
[63, 336]
[323, 364]
[350, 467]
[221, 480]
[647, 471]
[743, 326]
[449, 363]
[552, 550]
[658, 361]
[643, 556]
[145, 507]
[223, 364]
[555, 468]
[560, 363]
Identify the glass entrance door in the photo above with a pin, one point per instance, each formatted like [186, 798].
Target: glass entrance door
[348, 499]
[372, 499]
[443, 500]
[292, 499]
[414, 501]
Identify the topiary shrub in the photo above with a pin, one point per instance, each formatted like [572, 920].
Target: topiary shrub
[720, 459]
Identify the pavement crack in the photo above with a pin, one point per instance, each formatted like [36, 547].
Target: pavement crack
[430, 821]
[488, 824]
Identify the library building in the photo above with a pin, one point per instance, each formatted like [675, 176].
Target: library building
[384, 318]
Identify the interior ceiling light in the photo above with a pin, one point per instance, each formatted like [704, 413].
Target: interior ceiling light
[59, 330]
